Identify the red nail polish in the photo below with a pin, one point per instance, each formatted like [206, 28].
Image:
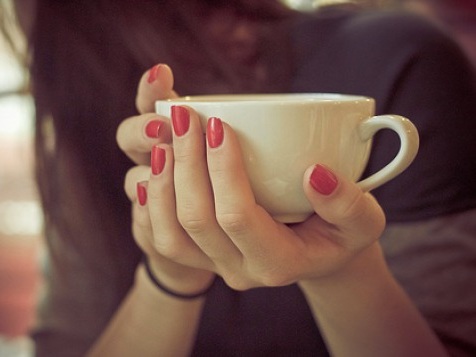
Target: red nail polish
[152, 128]
[157, 160]
[214, 132]
[180, 119]
[142, 193]
[153, 73]
[323, 180]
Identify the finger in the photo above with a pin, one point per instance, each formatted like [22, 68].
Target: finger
[170, 239]
[356, 216]
[195, 202]
[247, 224]
[136, 135]
[141, 224]
[133, 176]
[157, 83]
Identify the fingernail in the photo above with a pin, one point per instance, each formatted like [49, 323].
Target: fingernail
[180, 119]
[214, 132]
[142, 192]
[323, 180]
[153, 73]
[152, 128]
[157, 160]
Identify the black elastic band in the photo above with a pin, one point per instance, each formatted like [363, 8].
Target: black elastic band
[167, 291]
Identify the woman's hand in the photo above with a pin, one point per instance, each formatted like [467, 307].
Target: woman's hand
[201, 212]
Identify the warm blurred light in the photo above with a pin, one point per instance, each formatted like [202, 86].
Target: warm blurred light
[16, 116]
[308, 5]
[20, 218]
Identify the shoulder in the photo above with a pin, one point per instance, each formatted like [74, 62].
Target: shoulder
[346, 49]
[382, 29]
[391, 24]
[342, 48]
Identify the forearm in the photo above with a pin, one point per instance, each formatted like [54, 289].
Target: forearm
[364, 312]
[150, 323]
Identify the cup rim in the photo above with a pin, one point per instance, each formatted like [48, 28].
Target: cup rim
[261, 98]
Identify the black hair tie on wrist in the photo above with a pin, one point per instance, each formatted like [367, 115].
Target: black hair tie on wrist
[170, 292]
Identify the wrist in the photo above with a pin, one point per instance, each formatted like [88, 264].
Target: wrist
[165, 275]
[368, 267]
[197, 283]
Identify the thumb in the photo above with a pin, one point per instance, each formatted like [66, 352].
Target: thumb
[355, 214]
[157, 83]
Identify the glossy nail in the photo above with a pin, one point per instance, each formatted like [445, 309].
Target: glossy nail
[153, 73]
[180, 119]
[157, 160]
[323, 180]
[214, 132]
[152, 128]
[142, 192]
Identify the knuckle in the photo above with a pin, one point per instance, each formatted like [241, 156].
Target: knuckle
[354, 208]
[234, 223]
[192, 216]
[167, 248]
[238, 282]
[251, 277]
[274, 275]
[183, 156]
[142, 223]
[273, 279]
[192, 224]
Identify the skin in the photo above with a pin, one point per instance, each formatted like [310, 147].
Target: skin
[201, 219]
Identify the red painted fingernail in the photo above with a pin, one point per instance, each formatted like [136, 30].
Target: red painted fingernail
[180, 119]
[152, 128]
[157, 160]
[323, 180]
[153, 73]
[214, 132]
[142, 192]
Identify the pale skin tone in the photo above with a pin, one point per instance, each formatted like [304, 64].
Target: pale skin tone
[200, 220]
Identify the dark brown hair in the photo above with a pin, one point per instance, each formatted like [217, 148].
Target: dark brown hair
[87, 59]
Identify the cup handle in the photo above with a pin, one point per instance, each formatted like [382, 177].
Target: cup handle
[409, 143]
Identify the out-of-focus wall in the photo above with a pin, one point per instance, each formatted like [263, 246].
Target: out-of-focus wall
[20, 213]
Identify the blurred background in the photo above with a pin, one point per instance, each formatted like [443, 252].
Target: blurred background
[20, 212]
[21, 242]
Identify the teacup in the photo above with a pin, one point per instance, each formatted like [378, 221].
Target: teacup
[281, 135]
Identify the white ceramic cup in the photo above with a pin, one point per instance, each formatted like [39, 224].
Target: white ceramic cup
[281, 135]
